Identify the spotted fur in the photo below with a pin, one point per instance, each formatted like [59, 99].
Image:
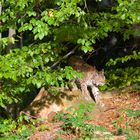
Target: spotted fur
[92, 78]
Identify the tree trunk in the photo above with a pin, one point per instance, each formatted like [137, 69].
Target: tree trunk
[21, 37]
[12, 33]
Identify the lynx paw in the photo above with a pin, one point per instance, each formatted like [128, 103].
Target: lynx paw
[102, 107]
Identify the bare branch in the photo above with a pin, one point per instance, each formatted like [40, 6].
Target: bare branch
[64, 57]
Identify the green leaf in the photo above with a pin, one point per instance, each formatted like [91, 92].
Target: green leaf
[86, 48]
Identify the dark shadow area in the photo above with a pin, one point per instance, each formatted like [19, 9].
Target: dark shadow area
[90, 93]
[47, 99]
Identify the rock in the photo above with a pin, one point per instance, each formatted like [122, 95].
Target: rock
[46, 105]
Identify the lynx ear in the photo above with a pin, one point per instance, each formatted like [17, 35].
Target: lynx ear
[102, 71]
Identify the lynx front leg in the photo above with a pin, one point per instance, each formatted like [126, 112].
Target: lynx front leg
[73, 85]
[96, 93]
[86, 93]
[98, 99]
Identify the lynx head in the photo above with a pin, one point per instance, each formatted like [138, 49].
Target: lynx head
[99, 78]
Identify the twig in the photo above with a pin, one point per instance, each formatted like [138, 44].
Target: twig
[64, 57]
[27, 114]
[86, 7]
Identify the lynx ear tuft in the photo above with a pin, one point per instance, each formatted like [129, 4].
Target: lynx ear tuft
[102, 71]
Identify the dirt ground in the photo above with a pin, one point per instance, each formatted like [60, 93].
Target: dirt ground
[117, 103]
[115, 116]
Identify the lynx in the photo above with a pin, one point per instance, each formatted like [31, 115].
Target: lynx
[92, 78]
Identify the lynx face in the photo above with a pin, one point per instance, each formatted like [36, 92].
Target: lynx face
[99, 79]
[91, 78]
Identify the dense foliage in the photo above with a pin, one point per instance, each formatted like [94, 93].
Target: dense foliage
[44, 32]
[127, 72]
